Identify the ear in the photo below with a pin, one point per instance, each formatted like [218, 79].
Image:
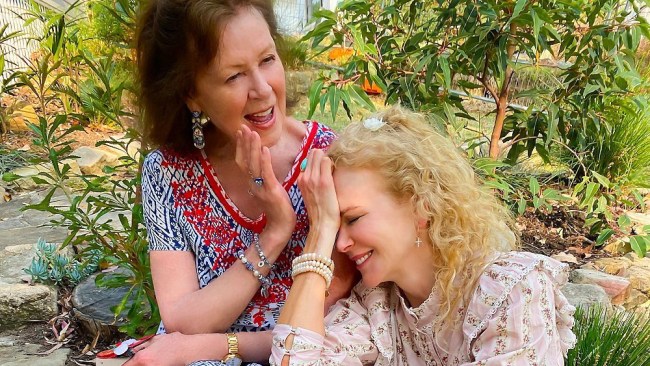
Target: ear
[193, 104]
[422, 223]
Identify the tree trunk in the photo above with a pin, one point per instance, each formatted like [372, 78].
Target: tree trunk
[502, 102]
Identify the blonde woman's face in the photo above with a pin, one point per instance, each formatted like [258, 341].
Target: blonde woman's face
[378, 231]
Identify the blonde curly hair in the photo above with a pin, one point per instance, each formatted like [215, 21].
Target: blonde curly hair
[466, 223]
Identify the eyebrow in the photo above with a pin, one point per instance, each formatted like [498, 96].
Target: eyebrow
[344, 211]
[270, 47]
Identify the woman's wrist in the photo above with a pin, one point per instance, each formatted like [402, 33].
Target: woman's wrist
[196, 347]
[320, 239]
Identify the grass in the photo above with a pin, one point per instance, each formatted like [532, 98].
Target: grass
[12, 159]
[618, 338]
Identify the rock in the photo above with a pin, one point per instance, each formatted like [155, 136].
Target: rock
[614, 266]
[586, 295]
[632, 256]
[92, 307]
[131, 148]
[635, 299]
[643, 262]
[27, 183]
[25, 115]
[20, 303]
[91, 160]
[617, 288]
[639, 278]
[22, 354]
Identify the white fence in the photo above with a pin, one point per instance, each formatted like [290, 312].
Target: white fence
[17, 49]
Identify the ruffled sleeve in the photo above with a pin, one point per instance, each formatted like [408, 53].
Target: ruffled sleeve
[518, 316]
[356, 333]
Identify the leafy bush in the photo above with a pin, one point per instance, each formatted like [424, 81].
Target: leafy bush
[618, 338]
[618, 148]
[51, 267]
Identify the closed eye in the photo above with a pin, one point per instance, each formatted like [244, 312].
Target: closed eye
[233, 77]
[268, 59]
[352, 220]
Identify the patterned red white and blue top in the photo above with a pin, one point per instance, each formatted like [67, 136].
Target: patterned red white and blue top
[187, 209]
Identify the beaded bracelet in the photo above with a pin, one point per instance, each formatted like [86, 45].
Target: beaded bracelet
[316, 267]
[314, 257]
[263, 260]
[264, 280]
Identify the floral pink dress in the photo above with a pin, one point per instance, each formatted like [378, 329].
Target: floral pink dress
[517, 316]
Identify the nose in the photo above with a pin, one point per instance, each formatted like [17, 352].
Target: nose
[343, 241]
[260, 87]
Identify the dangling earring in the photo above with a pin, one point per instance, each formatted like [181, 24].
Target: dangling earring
[418, 242]
[198, 121]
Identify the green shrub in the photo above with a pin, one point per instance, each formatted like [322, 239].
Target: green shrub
[618, 338]
[618, 147]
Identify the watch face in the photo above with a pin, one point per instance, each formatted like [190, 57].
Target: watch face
[235, 361]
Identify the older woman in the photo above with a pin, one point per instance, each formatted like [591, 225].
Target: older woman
[438, 287]
[223, 212]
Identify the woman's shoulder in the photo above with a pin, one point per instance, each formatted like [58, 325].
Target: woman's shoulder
[323, 135]
[168, 158]
[509, 277]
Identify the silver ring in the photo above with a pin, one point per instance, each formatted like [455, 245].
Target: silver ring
[259, 181]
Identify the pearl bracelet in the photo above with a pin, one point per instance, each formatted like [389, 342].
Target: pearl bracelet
[316, 267]
[264, 280]
[314, 257]
[263, 260]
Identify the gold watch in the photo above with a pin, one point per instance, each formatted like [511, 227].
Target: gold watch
[232, 358]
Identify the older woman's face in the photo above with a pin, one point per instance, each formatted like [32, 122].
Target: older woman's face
[245, 83]
[378, 231]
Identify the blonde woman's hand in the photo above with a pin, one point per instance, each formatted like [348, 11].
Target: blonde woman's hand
[255, 160]
[317, 186]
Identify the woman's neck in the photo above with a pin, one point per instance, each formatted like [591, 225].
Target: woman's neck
[418, 278]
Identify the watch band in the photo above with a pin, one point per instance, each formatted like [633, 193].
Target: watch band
[233, 344]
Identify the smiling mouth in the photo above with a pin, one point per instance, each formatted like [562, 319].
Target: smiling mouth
[261, 117]
[360, 261]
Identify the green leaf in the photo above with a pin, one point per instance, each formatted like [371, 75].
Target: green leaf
[10, 177]
[521, 206]
[446, 71]
[590, 192]
[603, 236]
[639, 245]
[602, 180]
[314, 96]
[533, 184]
[624, 222]
[518, 8]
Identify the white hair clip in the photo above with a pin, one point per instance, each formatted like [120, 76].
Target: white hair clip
[373, 124]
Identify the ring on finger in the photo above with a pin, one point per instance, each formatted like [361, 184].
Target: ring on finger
[259, 181]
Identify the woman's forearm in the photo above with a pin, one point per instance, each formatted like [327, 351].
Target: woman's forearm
[214, 308]
[304, 307]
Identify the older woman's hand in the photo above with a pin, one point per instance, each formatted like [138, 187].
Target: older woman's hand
[163, 350]
[255, 160]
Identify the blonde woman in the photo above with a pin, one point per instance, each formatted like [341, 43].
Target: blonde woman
[440, 285]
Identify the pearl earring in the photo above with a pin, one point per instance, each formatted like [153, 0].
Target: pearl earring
[418, 242]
